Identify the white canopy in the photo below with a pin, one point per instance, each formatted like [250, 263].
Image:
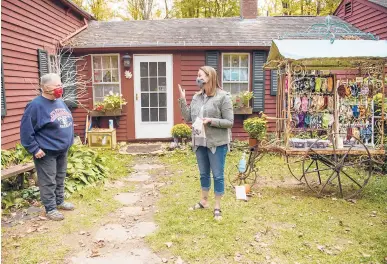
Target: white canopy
[307, 49]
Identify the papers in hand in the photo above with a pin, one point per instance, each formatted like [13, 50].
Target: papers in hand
[240, 192]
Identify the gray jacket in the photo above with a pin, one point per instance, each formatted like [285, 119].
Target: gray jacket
[219, 108]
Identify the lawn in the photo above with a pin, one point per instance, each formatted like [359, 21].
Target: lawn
[92, 203]
[283, 222]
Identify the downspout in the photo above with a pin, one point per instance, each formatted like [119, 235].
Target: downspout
[75, 32]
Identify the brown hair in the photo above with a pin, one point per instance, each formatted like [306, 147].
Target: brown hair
[213, 81]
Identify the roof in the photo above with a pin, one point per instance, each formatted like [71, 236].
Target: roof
[216, 32]
[308, 49]
[380, 2]
[77, 9]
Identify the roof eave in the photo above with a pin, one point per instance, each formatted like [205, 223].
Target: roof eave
[78, 10]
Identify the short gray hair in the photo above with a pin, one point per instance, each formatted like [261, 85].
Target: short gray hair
[47, 78]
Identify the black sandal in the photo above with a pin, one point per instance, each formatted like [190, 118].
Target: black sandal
[217, 213]
[197, 206]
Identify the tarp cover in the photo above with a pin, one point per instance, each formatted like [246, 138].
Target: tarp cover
[307, 49]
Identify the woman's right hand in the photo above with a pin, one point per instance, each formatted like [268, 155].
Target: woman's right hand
[182, 92]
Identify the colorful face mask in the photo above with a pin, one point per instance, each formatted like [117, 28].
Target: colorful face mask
[330, 103]
[312, 84]
[354, 90]
[318, 85]
[330, 84]
[347, 91]
[355, 110]
[341, 91]
[324, 85]
[304, 104]
[297, 103]
[362, 111]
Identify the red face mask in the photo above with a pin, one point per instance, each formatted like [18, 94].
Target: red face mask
[57, 92]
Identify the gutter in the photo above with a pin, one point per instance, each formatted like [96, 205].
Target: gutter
[79, 30]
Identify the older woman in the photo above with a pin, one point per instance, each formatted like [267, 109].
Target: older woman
[47, 132]
[211, 112]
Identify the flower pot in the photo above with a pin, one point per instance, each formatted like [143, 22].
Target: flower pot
[253, 142]
[116, 112]
[243, 111]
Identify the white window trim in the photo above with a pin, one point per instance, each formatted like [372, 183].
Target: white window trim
[248, 68]
[92, 71]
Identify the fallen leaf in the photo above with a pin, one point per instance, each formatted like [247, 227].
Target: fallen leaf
[169, 244]
[16, 245]
[82, 233]
[352, 201]
[81, 244]
[98, 200]
[365, 255]
[164, 260]
[334, 199]
[94, 253]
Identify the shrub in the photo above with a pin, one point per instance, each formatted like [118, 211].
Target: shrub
[256, 127]
[181, 131]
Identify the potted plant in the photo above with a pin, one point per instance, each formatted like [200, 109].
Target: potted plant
[181, 132]
[110, 106]
[256, 127]
[241, 103]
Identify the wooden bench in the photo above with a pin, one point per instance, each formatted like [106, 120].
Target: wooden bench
[18, 170]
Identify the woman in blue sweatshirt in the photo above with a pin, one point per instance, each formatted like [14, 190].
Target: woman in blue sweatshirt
[47, 132]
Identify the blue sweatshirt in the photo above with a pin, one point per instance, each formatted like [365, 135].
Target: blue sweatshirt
[48, 125]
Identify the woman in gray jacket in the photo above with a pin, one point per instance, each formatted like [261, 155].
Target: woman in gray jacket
[211, 112]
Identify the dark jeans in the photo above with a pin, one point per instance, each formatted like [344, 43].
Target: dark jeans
[51, 171]
[207, 161]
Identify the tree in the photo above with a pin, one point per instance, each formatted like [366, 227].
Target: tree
[300, 7]
[138, 9]
[205, 8]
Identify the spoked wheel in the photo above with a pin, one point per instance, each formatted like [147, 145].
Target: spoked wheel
[327, 170]
[295, 167]
[250, 175]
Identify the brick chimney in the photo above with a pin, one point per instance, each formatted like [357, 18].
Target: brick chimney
[249, 9]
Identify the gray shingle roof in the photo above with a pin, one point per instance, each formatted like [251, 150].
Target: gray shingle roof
[380, 2]
[191, 32]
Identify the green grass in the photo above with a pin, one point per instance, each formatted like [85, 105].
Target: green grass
[92, 204]
[293, 225]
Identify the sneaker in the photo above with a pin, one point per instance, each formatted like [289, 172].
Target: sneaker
[55, 215]
[66, 206]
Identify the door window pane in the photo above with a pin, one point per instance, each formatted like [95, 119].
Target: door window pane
[153, 84]
[145, 114]
[153, 100]
[162, 84]
[154, 114]
[162, 69]
[162, 114]
[162, 99]
[144, 84]
[144, 100]
[152, 69]
[143, 69]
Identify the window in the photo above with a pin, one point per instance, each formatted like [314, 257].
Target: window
[53, 64]
[348, 7]
[106, 77]
[235, 72]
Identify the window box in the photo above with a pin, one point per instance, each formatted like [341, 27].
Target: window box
[243, 111]
[117, 112]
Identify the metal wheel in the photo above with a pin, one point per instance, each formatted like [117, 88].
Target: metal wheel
[250, 175]
[347, 170]
[295, 167]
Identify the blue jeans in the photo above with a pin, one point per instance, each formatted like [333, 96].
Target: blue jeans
[207, 161]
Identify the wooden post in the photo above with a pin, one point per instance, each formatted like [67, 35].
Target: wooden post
[289, 118]
[383, 95]
[336, 115]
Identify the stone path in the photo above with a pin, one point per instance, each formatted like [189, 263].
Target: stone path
[121, 240]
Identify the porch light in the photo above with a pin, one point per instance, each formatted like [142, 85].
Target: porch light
[126, 58]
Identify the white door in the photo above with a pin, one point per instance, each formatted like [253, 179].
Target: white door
[153, 95]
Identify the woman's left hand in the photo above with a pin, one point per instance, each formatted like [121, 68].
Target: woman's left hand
[207, 120]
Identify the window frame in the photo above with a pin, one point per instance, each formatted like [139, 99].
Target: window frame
[92, 72]
[248, 69]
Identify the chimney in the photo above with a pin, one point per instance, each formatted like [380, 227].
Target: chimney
[249, 9]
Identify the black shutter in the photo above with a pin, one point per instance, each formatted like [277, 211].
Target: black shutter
[259, 58]
[3, 104]
[68, 71]
[43, 62]
[273, 82]
[212, 59]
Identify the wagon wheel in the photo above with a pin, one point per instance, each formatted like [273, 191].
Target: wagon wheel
[340, 169]
[295, 167]
[250, 175]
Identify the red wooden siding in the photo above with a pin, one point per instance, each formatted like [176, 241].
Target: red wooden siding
[28, 25]
[366, 16]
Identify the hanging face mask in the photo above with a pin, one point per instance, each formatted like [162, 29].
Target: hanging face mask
[200, 82]
[57, 92]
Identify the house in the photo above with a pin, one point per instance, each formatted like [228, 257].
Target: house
[30, 31]
[164, 53]
[161, 54]
[366, 15]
